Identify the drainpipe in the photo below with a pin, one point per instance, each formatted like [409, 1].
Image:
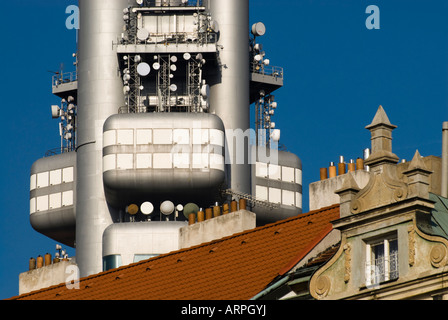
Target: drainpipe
[444, 189]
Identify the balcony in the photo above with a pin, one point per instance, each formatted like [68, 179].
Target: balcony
[65, 84]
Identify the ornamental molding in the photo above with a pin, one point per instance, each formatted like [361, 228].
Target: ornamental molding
[383, 188]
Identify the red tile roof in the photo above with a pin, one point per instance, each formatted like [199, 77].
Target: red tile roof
[232, 268]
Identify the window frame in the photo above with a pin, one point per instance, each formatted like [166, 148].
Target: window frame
[376, 273]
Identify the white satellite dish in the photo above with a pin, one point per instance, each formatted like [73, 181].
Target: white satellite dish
[275, 135]
[187, 56]
[266, 62]
[143, 69]
[274, 105]
[55, 111]
[258, 29]
[156, 66]
[167, 208]
[173, 67]
[142, 34]
[173, 59]
[139, 2]
[146, 208]
[179, 207]
[173, 87]
[205, 90]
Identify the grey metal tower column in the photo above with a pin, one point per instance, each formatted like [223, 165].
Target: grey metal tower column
[229, 91]
[100, 94]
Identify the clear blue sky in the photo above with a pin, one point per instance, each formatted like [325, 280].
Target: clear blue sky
[337, 73]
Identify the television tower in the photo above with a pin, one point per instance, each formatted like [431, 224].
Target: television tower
[155, 123]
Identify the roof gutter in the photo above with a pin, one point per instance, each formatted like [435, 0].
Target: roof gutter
[271, 288]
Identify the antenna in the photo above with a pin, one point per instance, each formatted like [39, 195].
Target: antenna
[258, 29]
[147, 208]
[167, 208]
[190, 208]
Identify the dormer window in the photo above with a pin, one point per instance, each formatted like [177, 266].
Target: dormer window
[381, 261]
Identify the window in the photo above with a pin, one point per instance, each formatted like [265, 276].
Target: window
[111, 262]
[381, 261]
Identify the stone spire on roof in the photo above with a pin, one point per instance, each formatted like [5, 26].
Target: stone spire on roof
[418, 177]
[381, 140]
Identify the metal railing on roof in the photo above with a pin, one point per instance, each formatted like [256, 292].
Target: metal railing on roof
[272, 71]
[64, 77]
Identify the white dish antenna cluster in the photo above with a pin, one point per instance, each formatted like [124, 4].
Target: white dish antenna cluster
[204, 87]
[67, 115]
[166, 208]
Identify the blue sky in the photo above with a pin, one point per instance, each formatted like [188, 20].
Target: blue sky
[337, 73]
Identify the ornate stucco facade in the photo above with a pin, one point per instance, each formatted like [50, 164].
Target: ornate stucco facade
[393, 244]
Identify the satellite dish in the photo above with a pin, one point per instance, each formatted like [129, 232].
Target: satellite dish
[205, 104]
[258, 47]
[173, 59]
[205, 90]
[142, 34]
[258, 57]
[266, 62]
[132, 209]
[214, 25]
[258, 29]
[275, 135]
[190, 208]
[137, 58]
[274, 105]
[179, 207]
[126, 77]
[173, 67]
[167, 208]
[187, 56]
[55, 111]
[143, 69]
[173, 87]
[139, 2]
[156, 66]
[272, 125]
[147, 208]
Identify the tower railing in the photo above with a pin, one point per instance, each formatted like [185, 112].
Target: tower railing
[272, 71]
[64, 77]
